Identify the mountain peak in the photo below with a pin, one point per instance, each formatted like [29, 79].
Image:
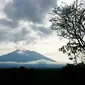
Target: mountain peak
[23, 56]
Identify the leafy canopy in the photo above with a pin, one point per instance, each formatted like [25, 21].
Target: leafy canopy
[69, 22]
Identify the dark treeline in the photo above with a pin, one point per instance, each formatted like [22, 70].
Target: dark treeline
[69, 75]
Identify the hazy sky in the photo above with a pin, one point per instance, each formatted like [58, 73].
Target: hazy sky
[24, 24]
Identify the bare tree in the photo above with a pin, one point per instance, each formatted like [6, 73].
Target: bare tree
[69, 22]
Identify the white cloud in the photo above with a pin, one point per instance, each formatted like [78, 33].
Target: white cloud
[14, 27]
[32, 64]
[65, 1]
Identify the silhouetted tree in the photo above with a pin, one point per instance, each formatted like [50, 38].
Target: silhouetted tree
[69, 22]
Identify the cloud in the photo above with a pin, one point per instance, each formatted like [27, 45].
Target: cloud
[30, 10]
[13, 35]
[8, 23]
[5, 34]
[32, 64]
[29, 34]
[41, 30]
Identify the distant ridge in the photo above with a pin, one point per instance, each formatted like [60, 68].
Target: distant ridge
[23, 56]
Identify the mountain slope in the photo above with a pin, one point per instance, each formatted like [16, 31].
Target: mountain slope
[23, 56]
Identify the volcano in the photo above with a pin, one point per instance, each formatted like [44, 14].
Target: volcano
[23, 56]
